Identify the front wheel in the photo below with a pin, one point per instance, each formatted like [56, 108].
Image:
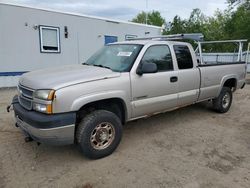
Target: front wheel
[223, 102]
[99, 134]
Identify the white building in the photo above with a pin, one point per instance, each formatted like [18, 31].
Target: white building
[32, 38]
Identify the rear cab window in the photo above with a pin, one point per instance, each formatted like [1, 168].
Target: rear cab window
[183, 57]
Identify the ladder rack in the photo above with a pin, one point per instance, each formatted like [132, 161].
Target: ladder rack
[190, 36]
[240, 44]
[198, 38]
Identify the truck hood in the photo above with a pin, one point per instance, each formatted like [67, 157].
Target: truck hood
[55, 78]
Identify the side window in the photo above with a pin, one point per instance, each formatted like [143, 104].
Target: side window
[184, 58]
[160, 55]
[49, 39]
[128, 37]
[110, 39]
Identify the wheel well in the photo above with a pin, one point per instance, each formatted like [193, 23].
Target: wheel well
[231, 83]
[115, 105]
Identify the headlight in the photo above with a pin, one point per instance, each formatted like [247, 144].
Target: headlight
[44, 94]
[47, 95]
[44, 108]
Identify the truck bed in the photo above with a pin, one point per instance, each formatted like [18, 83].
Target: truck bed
[213, 77]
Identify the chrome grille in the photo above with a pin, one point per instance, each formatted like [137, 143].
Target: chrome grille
[25, 97]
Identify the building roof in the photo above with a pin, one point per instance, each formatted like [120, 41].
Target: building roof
[78, 14]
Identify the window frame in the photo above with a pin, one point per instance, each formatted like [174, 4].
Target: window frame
[129, 37]
[177, 58]
[41, 27]
[170, 54]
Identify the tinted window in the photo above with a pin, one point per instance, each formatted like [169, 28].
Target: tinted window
[184, 58]
[160, 55]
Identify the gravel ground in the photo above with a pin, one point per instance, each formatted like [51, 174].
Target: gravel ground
[192, 148]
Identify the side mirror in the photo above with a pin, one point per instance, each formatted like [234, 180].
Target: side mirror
[147, 68]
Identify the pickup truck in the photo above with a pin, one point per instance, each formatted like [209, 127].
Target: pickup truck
[88, 104]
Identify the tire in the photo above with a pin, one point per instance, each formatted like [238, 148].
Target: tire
[99, 134]
[223, 103]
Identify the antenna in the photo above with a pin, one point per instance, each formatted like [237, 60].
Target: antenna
[146, 12]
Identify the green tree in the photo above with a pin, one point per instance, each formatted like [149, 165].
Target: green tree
[197, 22]
[177, 26]
[140, 18]
[215, 27]
[236, 2]
[238, 26]
[232, 23]
[153, 18]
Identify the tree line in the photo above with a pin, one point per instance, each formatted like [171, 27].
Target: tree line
[232, 23]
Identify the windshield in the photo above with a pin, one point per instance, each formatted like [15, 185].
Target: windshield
[117, 57]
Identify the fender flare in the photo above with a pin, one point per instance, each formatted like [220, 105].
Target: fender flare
[94, 97]
[224, 79]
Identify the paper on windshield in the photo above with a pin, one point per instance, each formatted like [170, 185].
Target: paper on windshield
[125, 54]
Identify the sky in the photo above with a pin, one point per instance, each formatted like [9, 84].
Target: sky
[127, 9]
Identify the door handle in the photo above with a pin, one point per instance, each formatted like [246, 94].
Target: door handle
[174, 79]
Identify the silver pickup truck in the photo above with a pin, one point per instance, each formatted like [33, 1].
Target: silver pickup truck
[87, 104]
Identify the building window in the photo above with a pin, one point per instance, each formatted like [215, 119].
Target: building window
[128, 37]
[110, 39]
[49, 39]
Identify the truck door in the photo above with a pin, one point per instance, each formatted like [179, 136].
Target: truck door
[188, 76]
[155, 92]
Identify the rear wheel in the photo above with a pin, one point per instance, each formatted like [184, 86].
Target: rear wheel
[223, 103]
[99, 134]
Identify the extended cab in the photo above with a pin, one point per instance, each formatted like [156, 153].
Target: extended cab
[88, 104]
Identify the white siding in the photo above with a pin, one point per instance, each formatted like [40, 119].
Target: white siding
[20, 42]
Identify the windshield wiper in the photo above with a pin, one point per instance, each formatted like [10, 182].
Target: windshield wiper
[85, 63]
[102, 66]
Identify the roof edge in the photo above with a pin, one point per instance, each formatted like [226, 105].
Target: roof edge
[77, 14]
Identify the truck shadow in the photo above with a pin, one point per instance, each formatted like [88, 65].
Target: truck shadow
[136, 127]
[132, 130]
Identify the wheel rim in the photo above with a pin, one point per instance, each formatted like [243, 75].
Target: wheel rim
[102, 136]
[226, 100]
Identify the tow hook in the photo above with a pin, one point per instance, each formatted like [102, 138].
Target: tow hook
[28, 139]
[243, 86]
[8, 108]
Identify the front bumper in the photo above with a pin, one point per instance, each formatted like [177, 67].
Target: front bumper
[55, 129]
